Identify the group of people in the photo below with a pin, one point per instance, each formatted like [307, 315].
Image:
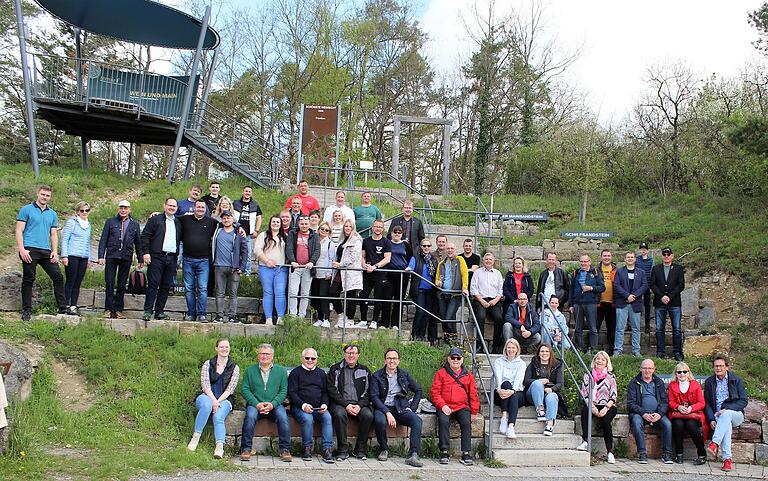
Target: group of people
[681, 408]
[348, 390]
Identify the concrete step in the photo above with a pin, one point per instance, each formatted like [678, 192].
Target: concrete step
[532, 426]
[537, 441]
[525, 412]
[542, 457]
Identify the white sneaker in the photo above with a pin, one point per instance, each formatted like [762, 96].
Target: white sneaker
[218, 452]
[194, 441]
[318, 323]
[503, 425]
[326, 324]
[373, 325]
[611, 459]
[583, 446]
[511, 431]
[340, 321]
[279, 321]
[395, 328]
[269, 322]
[361, 325]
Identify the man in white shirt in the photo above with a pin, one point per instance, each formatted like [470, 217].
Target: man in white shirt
[339, 205]
[486, 291]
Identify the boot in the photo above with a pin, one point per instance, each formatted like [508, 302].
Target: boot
[193, 442]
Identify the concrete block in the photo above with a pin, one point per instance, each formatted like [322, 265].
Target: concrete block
[86, 297]
[191, 328]
[689, 299]
[255, 330]
[529, 252]
[229, 329]
[707, 317]
[127, 327]
[698, 346]
[428, 425]
[170, 326]
[761, 454]
[744, 452]
[478, 428]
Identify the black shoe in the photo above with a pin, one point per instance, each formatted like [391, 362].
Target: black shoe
[700, 460]
[667, 459]
[307, 456]
[443, 457]
[678, 356]
[233, 320]
[342, 456]
[161, 316]
[661, 355]
[147, 316]
[218, 319]
[359, 455]
[328, 456]
[466, 459]
[679, 459]
[63, 310]
[26, 315]
[642, 458]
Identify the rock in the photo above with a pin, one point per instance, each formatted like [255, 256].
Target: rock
[10, 287]
[756, 411]
[707, 317]
[613, 247]
[703, 303]
[743, 452]
[529, 252]
[547, 244]
[699, 346]
[18, 383]
[749, 432]
[690, 301]
[761, 454]
[765, 430]
[533, 229]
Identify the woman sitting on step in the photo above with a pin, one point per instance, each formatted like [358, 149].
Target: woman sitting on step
[218, 381]
[543, 382]
[686, 411]
[604, 394]
[510, 393]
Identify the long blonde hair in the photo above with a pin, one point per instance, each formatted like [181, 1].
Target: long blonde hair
[682, 366]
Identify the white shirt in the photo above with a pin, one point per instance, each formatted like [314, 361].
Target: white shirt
[169, 241]
[328, 215]
[486, 283]
[549, 285]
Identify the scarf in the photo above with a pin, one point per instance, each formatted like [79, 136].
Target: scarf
[599, 375]
[83, 222]
[684, 385]
[431, 262]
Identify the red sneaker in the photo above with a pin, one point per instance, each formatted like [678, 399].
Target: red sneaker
[727, 465]
[712, 449]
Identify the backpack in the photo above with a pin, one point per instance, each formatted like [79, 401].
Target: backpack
[137, 283]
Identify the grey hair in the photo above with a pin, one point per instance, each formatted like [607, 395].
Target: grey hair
[266, 346]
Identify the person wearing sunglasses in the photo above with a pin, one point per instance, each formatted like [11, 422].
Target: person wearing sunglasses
[454, 394]
[686, 410]
[76, 253]
[119, 237]
[308, 392]
[423, 263]
[667, 283]
[321, 284]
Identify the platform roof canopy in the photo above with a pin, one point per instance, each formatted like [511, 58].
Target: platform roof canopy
[139, 21]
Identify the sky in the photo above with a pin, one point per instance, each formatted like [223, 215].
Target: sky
[619, 39]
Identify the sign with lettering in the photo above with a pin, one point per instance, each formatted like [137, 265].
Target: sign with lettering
[589, 234]
[533, 217]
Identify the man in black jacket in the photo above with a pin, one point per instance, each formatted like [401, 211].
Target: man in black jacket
[390, 390]
[647, 403]
[197, 232]
[118, 239]
[667, 283]
[308, 392]
[349, 391]
[302, 250]
[553, 281]
[413, 229]
[160, 246]
[725, 399]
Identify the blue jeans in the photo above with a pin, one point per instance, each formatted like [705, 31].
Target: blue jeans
[535, 395]
[405, 418]
[278, 415]
[423, 324]
[677, 334]
[586, 316]
[448, 309]
[248, 263]
[274, 283]
[196, 285]
[204, 407]
[622, 315]
[160, 275]
[307, 421]
[637, 422]
[724, 429]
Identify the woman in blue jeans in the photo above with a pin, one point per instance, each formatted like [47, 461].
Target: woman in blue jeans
[218, 381]
[273, 274]
[76, 253]
[543, 382]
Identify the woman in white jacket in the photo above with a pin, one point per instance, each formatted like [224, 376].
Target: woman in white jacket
[510, 393]
[348, 254]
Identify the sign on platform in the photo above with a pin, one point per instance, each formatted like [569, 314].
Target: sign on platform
[570, 234]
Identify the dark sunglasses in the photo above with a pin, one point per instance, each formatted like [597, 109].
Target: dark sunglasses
[84, 210]
[307, 358]
[323, 229]
[682, 372]
[667, 255]
[426, 245]
[455, 358]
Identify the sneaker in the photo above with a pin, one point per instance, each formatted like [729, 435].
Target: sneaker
[700, 460]
[642, 458]
[72, 311]
[218, 451]
[359, 455]
[190, 318]
[202, 319]
[667, 459]
[727, 465]
[63, 310]
[318, 323]
[194, 441]
[395, 328]
[617, 353]
[326, 324]
[443, 457]
[549, 429]
[712, 449]
[611, 459]
[413, 460]
[383, 455]
[373, 325]
[161, 316]
[328, 456]
[360, 325]
[466, 459]
[268, 322]
[147, 315]
[245, 456]
[503, 425]
[340, 321]
[342, 456]
[285, 456]
[279, 321]
[233, 320]
[218, 319]
[119, 315]
[511, 431]
[583, 446]
[679, 459]
[107, 314]
[26, 315]
[307, 456]
[679, 356]
[541, 415]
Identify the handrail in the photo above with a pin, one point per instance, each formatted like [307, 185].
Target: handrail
[588, 399]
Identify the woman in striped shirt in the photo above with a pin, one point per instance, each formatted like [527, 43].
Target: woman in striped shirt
[604, 394]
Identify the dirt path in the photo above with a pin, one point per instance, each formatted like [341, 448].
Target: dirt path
[70, 387]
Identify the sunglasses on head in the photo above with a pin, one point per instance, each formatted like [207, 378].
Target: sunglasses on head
[309, 358]
[682, 372]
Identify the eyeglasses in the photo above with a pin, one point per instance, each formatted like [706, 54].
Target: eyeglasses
[308, 358]
[84, 210]
[455, 358]
[682, 372]
[391, 358]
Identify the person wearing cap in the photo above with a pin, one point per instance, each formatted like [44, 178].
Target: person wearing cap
[454, 394]
[229, 252]
[645, 264]
[667, 283]
[119, 237]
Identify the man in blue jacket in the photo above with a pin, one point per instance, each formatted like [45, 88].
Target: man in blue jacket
[586, 286]
[522, 323]
[121, 234]
[629, 285]
[647, 403]
[390, 389]
[725, 399]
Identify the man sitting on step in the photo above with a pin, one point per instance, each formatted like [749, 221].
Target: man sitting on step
[523, 323]
[647, 403]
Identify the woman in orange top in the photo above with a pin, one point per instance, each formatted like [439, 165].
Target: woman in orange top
[686, 411]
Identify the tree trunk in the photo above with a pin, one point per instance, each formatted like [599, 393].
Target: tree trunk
[583, 209]
[139, 160]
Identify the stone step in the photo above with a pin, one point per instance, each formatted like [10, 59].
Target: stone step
[532, 426]
[536, 441]
[542, 457]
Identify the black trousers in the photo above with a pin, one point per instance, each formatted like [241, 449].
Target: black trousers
[397, 286]
[494, 314]
[607, 312]
[75, 271]
[320, 287]
[160, 276]
[41, 257]
[464, 418]
[375, 286]
[351, 299]
[693, 428]
[604, 423]
[114, 300]
[511, 404]
[340, 421]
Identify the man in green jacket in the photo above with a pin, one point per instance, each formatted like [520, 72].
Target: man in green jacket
[265, 386]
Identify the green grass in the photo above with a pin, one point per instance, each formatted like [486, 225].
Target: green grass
[143, 389]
